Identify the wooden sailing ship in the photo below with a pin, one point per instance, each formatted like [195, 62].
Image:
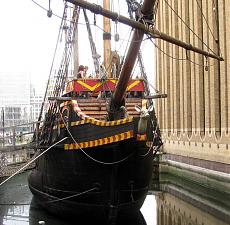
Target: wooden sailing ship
[106, 135]
[101, 134]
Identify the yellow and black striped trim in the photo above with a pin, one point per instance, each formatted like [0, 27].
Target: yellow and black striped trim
[97, 123]
[101, 141]
[59, 126]
[141, 137]
[77, 123]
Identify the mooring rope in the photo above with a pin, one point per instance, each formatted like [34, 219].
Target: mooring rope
[18, 171]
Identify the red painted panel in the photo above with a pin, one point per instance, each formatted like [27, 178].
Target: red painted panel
[96, 85]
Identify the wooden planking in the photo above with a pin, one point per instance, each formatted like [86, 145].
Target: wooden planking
[96, 108]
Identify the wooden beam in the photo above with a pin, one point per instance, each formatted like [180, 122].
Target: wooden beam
[156, 96]
[60, 98]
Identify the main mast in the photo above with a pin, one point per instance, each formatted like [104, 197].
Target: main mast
[107, 39]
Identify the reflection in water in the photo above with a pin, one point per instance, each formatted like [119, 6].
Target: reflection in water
[16, 215]
[15, 198]
[177, 203]
[37, 214]
[172, 210]
[149, 210]
[31, 215]
[184, 202]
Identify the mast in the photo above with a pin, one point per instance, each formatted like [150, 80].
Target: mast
[76, 11]
[107, 39]
[118, 96]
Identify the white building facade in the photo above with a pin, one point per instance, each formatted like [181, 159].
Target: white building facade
[14, 98]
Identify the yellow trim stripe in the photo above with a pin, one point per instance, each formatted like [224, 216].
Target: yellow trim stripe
[91, 88]
[133, 84]
[101, 141]
[59, 126]
[76, 123]
[97, 123]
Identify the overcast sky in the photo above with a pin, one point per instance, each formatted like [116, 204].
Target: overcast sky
[28, 37]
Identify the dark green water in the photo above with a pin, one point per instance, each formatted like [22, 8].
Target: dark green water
[172, 202]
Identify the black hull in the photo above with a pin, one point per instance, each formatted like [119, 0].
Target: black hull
[98, 188]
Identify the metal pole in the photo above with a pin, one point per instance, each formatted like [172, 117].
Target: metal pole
[36, 134]
[14, 137]
[3, 127]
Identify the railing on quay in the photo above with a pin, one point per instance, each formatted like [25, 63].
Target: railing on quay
[14, 141]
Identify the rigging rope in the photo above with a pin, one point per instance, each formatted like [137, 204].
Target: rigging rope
[51, 69]
[216, 20]
[179, 59]
[56, 15]
[189, 27]
[205, 20]
[62, 74]
[131, 10]
[95, 55]
[47, 10]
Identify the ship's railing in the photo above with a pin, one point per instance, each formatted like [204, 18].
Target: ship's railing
[97, 85]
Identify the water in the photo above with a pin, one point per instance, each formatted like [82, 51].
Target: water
[173, 202]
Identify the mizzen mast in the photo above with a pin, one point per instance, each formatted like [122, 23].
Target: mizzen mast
[107, 39]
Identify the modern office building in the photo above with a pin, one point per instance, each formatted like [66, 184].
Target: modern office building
[35, 104]
[14, 99]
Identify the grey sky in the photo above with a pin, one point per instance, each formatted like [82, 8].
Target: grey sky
[27, 38]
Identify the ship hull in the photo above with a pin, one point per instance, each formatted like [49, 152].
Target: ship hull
[70, 183]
